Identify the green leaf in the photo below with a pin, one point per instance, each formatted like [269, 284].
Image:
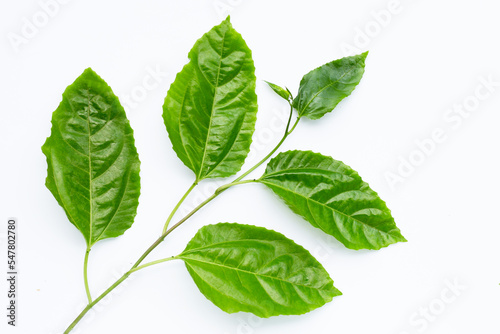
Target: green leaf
[324, 87]
[279, 90]
[210, 109]
[93, 166]
[252, 269]
[333, 197]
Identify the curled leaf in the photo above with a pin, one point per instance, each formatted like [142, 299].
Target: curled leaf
[279, 90]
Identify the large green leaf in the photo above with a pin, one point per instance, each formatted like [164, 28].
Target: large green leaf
[333, 197]
[324, 87]
[252, 269]
[93, 166]
[210, 109]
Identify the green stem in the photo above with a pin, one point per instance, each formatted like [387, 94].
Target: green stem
[164, 235]
[91, 304]
[178, 205]
[229, 185]
[138, 262]
[219, 190]
[152, 263]
[286, 134]
[85, 276]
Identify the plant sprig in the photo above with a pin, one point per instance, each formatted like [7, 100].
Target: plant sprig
[210, 113]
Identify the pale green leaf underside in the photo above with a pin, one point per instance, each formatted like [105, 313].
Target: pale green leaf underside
[93, 166]
[324, 87]
[252, 269]
[333, 197]
[210, 109]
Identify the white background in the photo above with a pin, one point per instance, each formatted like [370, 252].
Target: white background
[426, 58]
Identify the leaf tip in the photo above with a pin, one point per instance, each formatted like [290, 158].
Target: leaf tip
[224, 26]
[398, 237]
[227, 21]
[89, 72]
[89, 75]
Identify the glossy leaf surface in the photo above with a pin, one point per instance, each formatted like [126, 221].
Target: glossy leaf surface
[210, 109]
[252, 269]
[333, 197]
[324, 87]
[93, 166]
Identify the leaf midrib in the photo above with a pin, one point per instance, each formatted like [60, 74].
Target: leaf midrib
[225, 242]
[322, 204]
[302, 171]
[216, 86]
[249, 272]
[91, 218]
[322, 89]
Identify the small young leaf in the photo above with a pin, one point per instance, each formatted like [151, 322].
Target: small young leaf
[324, 87]
[280, 91]
[252, 269]
[333, 197]
[93, 166]
[210, 109]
